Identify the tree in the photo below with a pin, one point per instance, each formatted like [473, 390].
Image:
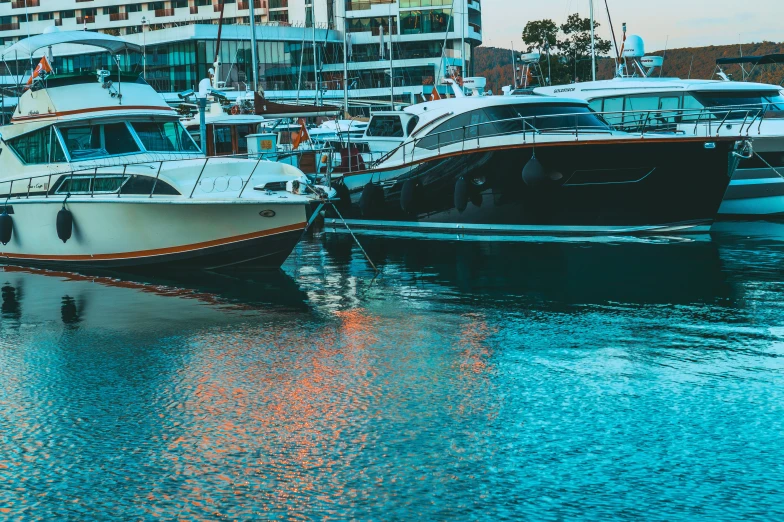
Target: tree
[539, 34]
[576, 47]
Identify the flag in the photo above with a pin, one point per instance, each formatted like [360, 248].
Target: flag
[300, 136]
[42, 67]
[434, 95]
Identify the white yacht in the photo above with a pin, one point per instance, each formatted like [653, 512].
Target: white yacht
[96, 170]
[527, 165]
[699, 107]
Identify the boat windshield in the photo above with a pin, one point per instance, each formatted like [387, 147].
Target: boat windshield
[169, 136]
[98, 141]
[113, 139]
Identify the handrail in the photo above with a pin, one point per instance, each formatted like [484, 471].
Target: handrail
[639, 123]
[91, 171]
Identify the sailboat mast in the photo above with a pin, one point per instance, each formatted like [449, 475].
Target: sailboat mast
[253, 49]
[593, 45]
[391, 65]
[345, 71]
[315, 62]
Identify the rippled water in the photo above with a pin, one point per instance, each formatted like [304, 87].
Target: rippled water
[621, 379]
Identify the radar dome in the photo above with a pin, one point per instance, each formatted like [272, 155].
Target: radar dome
[634, 47]
[652, 61]
[52, 29]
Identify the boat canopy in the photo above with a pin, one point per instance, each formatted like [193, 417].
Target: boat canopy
[27, 47]
[756, 60]
[270, 109]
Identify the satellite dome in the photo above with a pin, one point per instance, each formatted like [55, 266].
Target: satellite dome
[52, 29]
[634, 47]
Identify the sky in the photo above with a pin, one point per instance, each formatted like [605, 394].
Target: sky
[670, 23]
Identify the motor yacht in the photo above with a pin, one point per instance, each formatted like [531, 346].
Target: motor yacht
[696, 108]
[96, 170]
[528, 165]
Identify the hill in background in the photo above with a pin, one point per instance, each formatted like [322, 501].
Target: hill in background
[495, 64]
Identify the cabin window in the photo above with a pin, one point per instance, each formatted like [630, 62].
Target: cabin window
[167, 136]
[242, 138]
[385, 127]
[96, 141]
[90, 184]
[221, 136]
[40, 146]
[749, 103]
[114, 183]
[508, 119]
[412, 123]
[613, 105]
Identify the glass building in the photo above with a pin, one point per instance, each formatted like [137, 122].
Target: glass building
[301, 43]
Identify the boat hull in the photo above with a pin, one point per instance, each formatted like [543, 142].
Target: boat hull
[631, 186]
[138, 234]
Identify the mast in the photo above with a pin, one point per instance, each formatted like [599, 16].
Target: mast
[514, 66]
[345, 71]
[315, 61]
[463, 23]
[216, 64]
[253, 49]
[593, 45]
[391, 64]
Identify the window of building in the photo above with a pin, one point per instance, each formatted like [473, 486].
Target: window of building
[68, 14]
[176, 4]
[45, 16]
[429, 21]
[374, 24]
[156, 6]
[113, 9]
[278, 4]
[133, 8]
[41, 146]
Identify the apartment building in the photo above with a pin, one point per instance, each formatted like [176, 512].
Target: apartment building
[301, 43]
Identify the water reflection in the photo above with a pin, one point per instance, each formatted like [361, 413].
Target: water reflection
[476, 381]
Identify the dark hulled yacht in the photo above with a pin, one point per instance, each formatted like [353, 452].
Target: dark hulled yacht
[528, 165]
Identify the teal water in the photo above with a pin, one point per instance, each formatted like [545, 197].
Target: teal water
[554, 380]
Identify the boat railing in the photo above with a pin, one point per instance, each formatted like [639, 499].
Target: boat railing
[40, 185]
[636, 123]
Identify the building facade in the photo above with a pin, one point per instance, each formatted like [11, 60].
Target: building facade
[301, 43]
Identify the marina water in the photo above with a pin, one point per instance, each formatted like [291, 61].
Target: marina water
[475, 381]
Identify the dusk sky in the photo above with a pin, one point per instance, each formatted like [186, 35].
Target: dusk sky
[688, 23]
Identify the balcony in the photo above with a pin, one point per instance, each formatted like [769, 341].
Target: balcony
[116, 17]
[244, 6]
[9, 27]
[164, 12]
[21, 4]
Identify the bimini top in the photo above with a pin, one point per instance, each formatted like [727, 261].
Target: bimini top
[756, 60]
[27, 47]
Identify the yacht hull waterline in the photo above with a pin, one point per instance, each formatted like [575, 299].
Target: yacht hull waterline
[635, 186]
[137, 234]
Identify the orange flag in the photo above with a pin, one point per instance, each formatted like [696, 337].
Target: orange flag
[301, 136]
[43, 66]
[434, 95]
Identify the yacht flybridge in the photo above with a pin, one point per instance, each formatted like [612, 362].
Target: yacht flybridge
[642, 102]
[96, 170]
[528, 165]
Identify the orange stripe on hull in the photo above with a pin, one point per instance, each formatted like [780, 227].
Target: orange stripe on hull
[92, 109]
[158, 251]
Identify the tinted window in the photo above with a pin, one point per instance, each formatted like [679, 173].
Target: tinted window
[164, 137]
[510, 119]
[751, 102]
[385, 127]
[40, 146]
[95, 141]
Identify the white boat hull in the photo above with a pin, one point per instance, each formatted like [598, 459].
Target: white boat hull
[134, 232]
